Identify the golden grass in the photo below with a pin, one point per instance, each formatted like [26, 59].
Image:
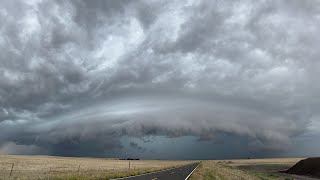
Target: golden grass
[48, 167]
[217, 170]
[288, 161]
[255, 169]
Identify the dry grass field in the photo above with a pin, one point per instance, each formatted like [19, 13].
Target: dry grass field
[47, 167]
[248, 169]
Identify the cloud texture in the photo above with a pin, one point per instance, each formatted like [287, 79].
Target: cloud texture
[78, 76]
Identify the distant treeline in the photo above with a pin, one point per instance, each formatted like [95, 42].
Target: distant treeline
[129, 159]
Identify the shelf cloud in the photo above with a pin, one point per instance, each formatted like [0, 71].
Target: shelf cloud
[78, 77]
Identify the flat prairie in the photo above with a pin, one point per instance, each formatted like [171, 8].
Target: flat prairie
[50, 167]
[246, 169]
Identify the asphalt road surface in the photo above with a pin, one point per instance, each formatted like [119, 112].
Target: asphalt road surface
[179, 173]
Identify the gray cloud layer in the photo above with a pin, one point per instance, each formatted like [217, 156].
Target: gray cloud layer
[77, 76]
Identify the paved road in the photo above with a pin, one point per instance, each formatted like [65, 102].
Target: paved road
[179, 173]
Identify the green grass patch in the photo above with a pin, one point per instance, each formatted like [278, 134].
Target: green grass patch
[212, 176]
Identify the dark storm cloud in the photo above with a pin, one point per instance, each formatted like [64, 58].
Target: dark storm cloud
[135, 146]
[78, 76]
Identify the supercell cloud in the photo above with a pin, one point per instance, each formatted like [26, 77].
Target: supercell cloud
[125, 78]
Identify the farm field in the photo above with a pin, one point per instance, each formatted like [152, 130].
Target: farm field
[49, 167]
[246, 169]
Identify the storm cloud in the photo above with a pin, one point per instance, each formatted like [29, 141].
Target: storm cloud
[78, 77]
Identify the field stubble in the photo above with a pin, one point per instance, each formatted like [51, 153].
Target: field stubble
[47, 167]
[246, 169]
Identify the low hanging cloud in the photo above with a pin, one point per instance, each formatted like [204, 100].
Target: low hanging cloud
[77, 76]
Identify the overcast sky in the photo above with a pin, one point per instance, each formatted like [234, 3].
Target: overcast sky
[160, 79]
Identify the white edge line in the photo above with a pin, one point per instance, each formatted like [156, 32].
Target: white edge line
[191, 172]
[145, 174]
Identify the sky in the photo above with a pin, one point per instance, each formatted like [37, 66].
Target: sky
[150, 79]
